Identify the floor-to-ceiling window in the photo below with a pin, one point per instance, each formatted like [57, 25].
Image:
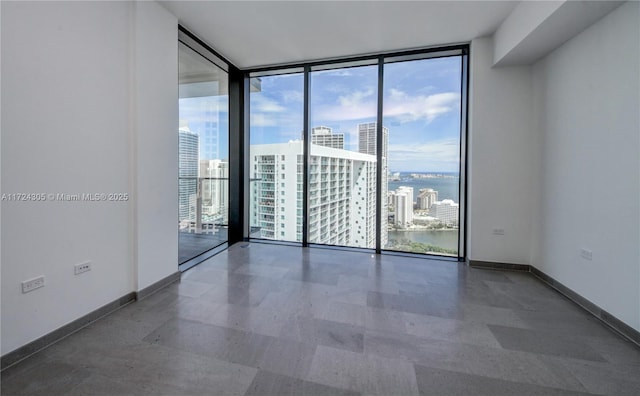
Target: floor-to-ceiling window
[342, 163]
[366, 153]
[276, 187]
[203, 134]
[422, 111]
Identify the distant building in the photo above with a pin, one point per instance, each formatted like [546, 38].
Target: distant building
[214, 184]
[367, 133]
[446, 211]
[403, 206]
[367, 139]
[324, 136]
[188, 154]
[426, 198]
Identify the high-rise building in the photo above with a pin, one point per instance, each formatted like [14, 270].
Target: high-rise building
[367, 145]
[403, 206]
[341, 194]
[214, 189]
[188, 146]
[426, 198]
[367, 138]
[324, 136]
[446, 211]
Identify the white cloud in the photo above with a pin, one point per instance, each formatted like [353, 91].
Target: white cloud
[412, 108]
[266, 111]
[355, 105]
[262, 104]
[358, 105]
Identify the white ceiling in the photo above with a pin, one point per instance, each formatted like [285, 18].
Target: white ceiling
[261, 33]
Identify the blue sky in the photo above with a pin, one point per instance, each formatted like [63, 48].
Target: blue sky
[421, 110]
[193, 111]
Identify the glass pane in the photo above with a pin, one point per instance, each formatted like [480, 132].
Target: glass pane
[276, 157]
[342, 163]
[422, 112]
[203, 182]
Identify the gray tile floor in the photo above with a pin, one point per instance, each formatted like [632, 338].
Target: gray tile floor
[263, 319]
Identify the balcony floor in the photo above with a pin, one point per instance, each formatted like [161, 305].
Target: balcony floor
[191, 245]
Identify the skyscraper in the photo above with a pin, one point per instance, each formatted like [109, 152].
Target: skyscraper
[367, 144]
[188, 146]
[403, 206]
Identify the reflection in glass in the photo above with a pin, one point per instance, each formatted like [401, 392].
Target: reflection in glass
[276, 157]
[342, 163]
[421, 107]
[203, 198]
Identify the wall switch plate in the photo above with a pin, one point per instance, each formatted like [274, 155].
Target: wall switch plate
[586, 254]
[82, 267]
[32, 284]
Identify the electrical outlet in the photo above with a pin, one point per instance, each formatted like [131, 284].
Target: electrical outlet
[498, 231]
[82, 267]
[586, 254]
[32, 284]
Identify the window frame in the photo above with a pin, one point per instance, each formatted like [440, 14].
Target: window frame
[379, 59]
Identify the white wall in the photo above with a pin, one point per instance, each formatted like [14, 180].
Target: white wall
[501, 159]
[80, 115]
[156, 142]
[525, 18]
[588, 95]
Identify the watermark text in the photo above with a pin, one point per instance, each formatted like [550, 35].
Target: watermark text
[65, 197]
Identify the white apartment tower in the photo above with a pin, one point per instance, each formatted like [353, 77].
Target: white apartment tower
[403, 206]
[341, 194]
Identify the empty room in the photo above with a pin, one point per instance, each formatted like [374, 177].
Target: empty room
[320, 197]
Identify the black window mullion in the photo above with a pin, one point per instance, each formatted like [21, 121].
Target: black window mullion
[379, 147]
[462, 181]
[305, 155]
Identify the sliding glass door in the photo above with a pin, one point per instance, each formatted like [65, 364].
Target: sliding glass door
[203, 136]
